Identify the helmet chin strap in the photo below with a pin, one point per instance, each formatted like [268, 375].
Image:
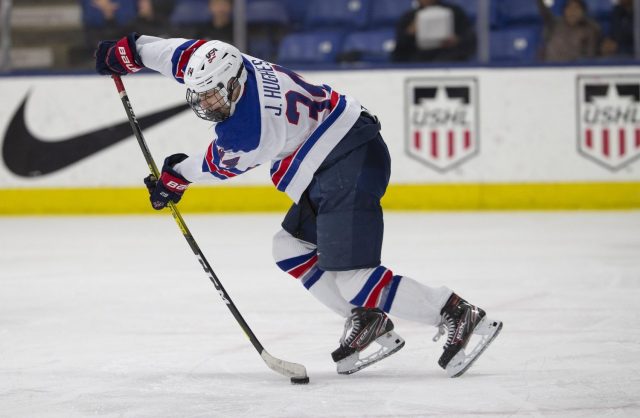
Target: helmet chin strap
[233, 102]
[240, 86]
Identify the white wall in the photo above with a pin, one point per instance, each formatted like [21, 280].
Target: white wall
[523, 124]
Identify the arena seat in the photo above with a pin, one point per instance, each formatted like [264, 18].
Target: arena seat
[271, 12]
[516, 12]
[92, 17]
[296, 9]
[310, 47]
[344, 14]
[262, 47]
[370, 46]
[268, 21]
[515, 44]
[470, 7]
[191, 11]
[385, 12]
[599, 9]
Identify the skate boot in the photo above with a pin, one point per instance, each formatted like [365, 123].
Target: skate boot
[463, 320]
[363, 327]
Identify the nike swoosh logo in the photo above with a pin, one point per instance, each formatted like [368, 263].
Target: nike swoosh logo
[28, 156]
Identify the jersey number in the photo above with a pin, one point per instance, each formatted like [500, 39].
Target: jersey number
[294, 98]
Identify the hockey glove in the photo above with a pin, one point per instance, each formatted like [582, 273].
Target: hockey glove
[118, 57]
[171, 185]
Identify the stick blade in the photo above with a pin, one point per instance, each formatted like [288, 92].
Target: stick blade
[285, 368]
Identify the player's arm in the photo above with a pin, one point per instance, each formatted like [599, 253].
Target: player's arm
[134, 52]
[215, 164]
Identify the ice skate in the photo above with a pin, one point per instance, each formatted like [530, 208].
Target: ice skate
[463, 321]
[362, 328]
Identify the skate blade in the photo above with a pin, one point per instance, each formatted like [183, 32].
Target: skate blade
[389, 343]
[488, 329]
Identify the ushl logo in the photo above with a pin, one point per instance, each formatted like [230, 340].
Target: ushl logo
[442, 121]
[609, 119]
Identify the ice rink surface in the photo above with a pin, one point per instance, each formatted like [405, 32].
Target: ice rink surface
[113, 317]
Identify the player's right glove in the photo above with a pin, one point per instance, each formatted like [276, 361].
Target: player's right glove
[171, 185]
[118, 57]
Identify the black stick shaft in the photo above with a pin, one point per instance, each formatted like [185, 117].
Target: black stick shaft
[181, 224]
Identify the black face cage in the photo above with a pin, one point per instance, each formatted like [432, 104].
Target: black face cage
[207, 107]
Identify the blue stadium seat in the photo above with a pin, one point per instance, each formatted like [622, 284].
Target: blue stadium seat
[605, 26]
[297, 10]
[514, 12]
[347, 14]
[191, 11]
[386, 12]
[557, 6]
[92, 17]
[599, 9]
[261, 47]
[515, 44]
[310, 47]
[470, 7]
[271, 12]
[370, 46]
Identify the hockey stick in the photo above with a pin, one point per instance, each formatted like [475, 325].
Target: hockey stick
[296, 372]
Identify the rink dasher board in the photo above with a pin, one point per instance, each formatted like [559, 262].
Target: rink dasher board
[469, 138]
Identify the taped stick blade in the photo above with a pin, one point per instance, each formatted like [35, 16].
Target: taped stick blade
[285, 368]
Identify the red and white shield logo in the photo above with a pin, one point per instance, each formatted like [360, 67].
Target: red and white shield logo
[442, 121]
[609, 119]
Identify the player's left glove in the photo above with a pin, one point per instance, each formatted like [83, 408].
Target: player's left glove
[171, 185]
[118, 57]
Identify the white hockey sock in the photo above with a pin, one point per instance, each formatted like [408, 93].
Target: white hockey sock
[375, 287]
[326, 291]
[299, 259]
[418, 302]
[400, 296]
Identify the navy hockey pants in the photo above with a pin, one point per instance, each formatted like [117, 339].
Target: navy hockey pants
[340, 211]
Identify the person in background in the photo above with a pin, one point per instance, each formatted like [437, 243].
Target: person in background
[619, 42]
[220, 26]
[570, 37]
[459, 47]
[153, 17]
[108, 9]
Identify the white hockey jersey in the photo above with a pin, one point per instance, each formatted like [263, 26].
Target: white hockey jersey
[281, 119]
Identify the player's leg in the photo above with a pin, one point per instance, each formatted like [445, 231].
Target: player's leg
[397, 295]
[349, 240]
[468, 329]
[378, 290]
[346, 194]
[299, 258]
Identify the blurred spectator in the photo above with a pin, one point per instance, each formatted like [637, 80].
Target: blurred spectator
[153, 17]
[459, 47]
[110, 28]
[620, 40]
[107, 8]
[220, 26]
[570, 37]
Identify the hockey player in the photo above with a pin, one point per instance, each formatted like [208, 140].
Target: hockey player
[327, 154]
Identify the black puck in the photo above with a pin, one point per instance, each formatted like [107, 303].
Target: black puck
[300, 380]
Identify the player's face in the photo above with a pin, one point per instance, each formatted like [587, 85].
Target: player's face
[573, 13]
[212, 101]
